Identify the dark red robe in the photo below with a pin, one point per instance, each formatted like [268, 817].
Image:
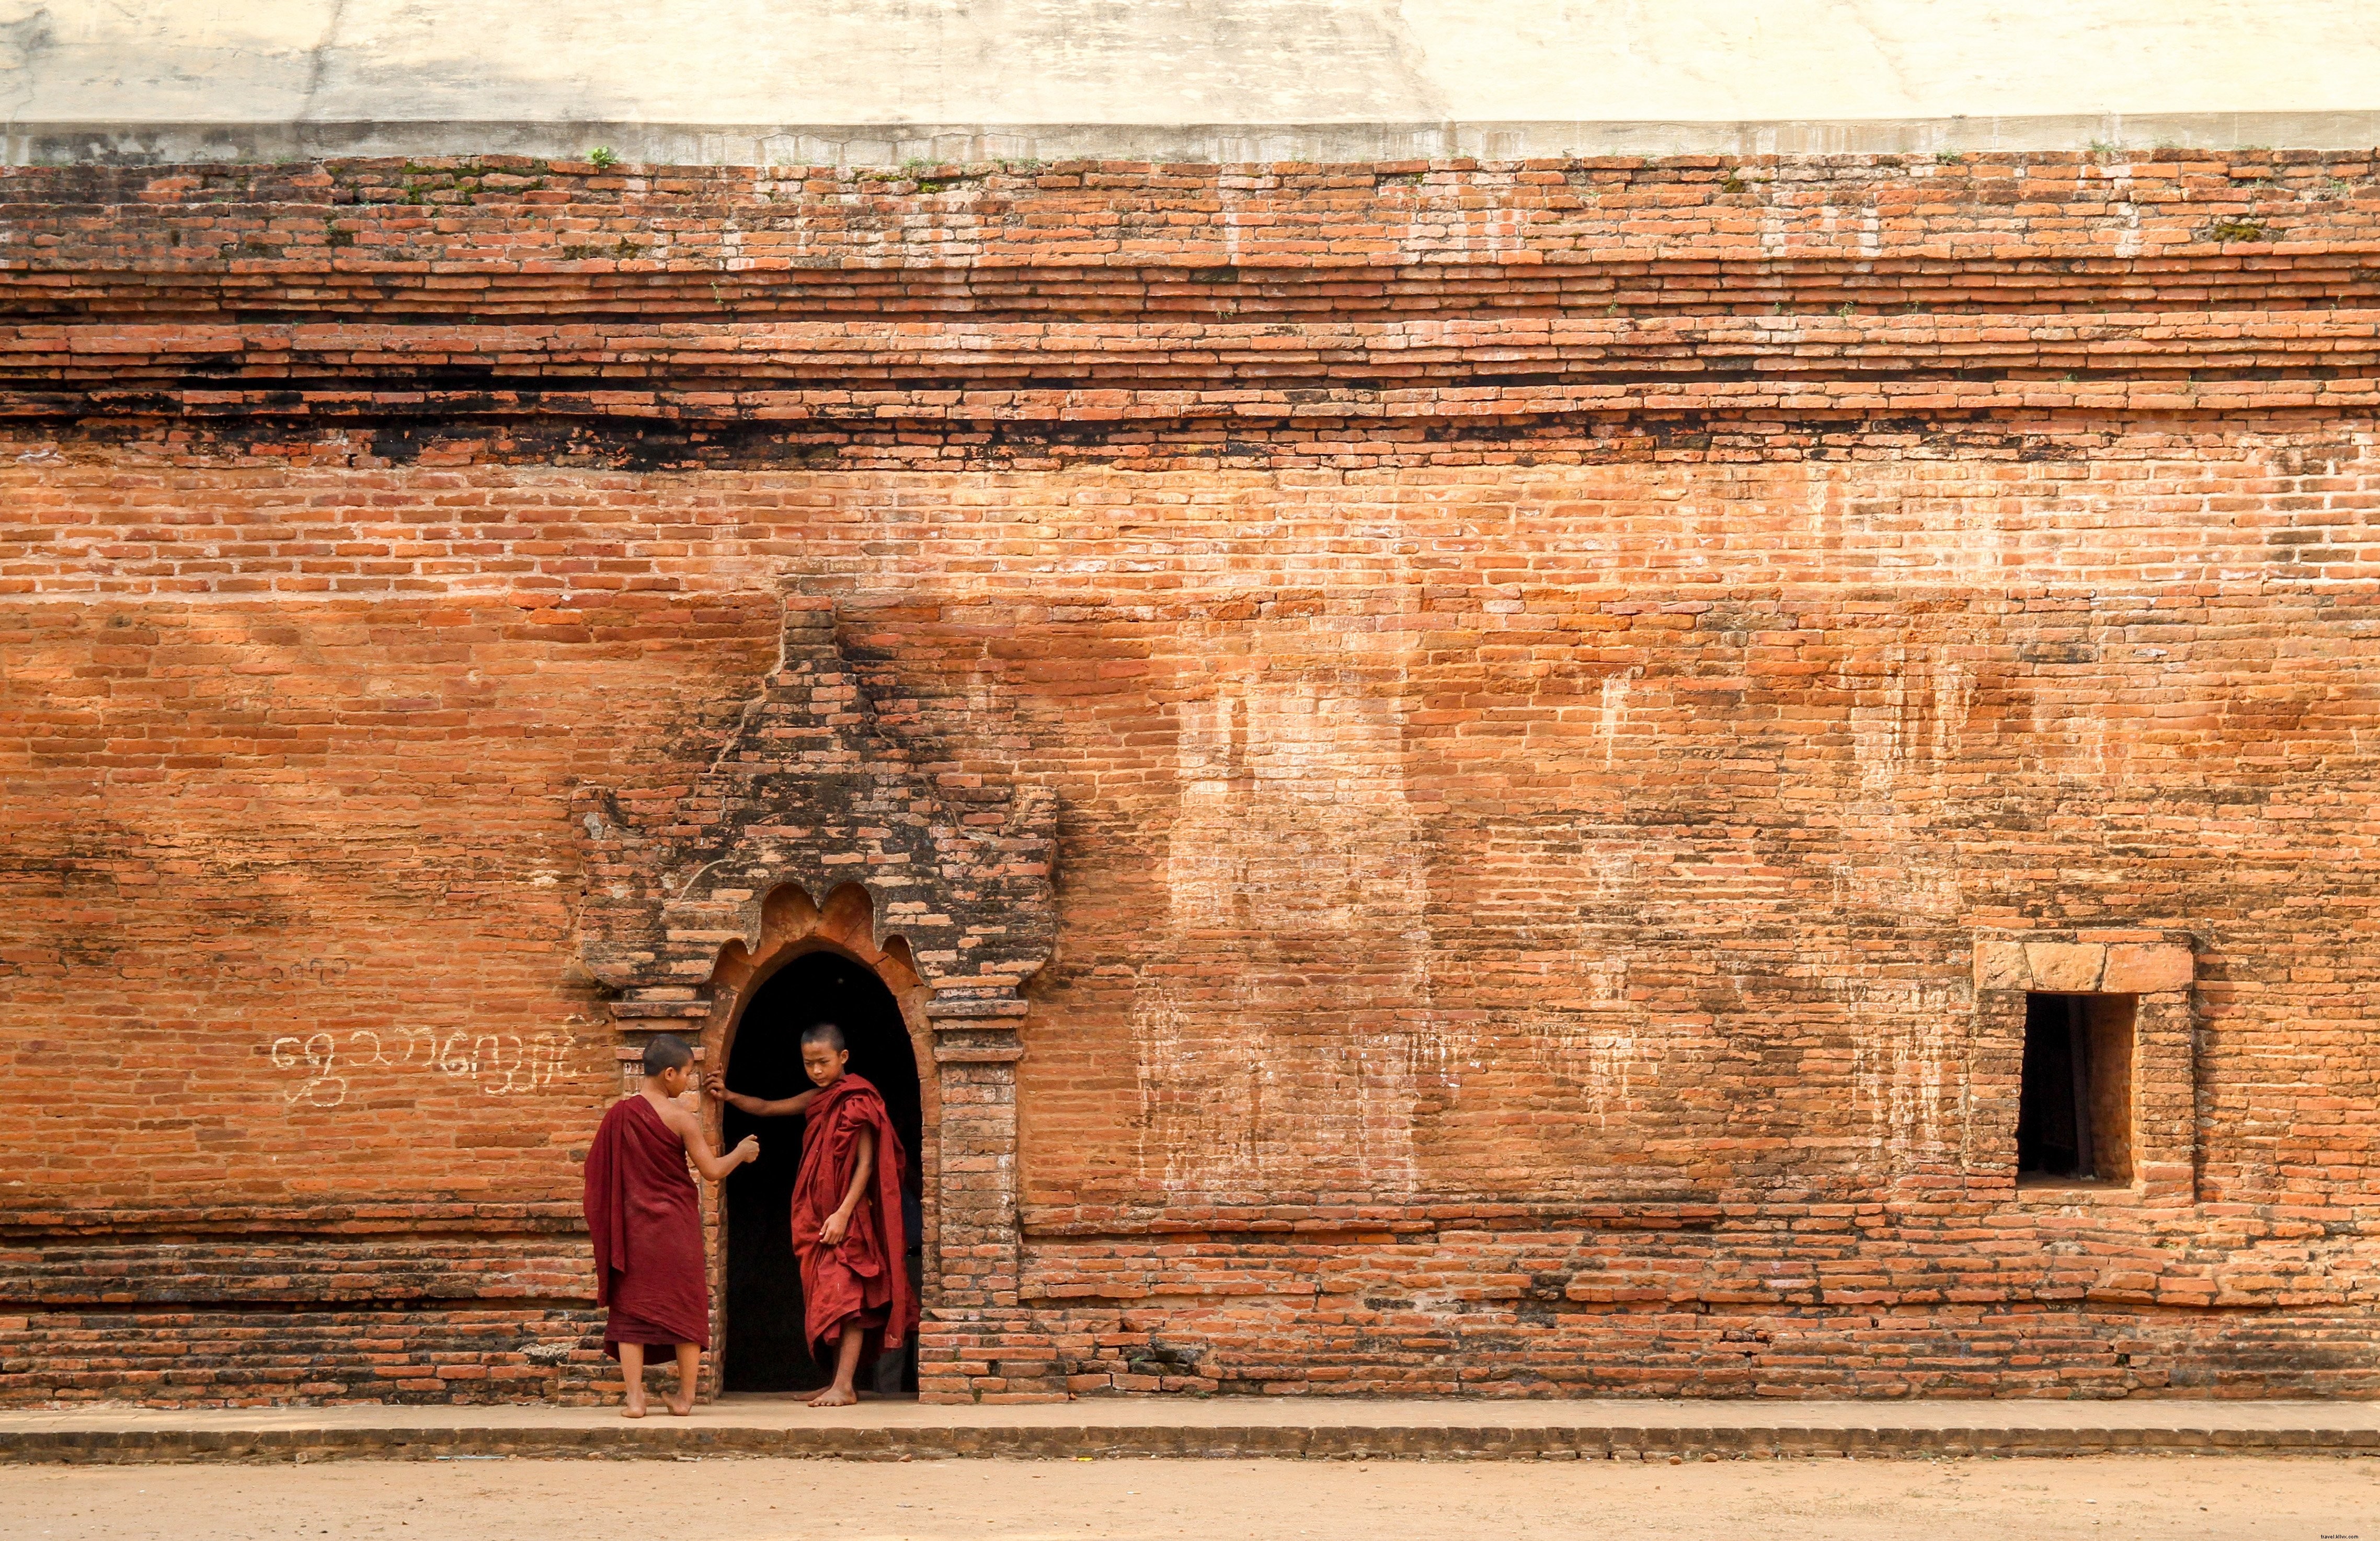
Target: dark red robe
[867, 1275]
[645, 1216]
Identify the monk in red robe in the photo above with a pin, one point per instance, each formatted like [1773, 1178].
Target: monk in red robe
[848, 1228]
[645, 1216]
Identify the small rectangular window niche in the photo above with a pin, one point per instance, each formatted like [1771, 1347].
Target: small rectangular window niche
[2075, 1115]
[2084, 1077]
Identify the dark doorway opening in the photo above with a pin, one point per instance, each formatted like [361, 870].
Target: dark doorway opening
[2074, 1119]
[765, 1350]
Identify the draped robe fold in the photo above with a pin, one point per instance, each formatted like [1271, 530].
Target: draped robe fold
[645, 1217]
[867, 1276]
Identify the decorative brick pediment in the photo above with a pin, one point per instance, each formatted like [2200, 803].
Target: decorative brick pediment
[811, 793]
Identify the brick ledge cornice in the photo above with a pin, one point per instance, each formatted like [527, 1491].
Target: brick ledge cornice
[963, 374]
[1024, 355]
[463, 236]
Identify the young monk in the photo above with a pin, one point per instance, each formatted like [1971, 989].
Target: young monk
[847, 1227]
[645, 1214]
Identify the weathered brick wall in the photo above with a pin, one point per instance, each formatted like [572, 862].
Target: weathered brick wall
[1548, 673]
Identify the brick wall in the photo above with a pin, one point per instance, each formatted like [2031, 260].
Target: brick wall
[1548, 672]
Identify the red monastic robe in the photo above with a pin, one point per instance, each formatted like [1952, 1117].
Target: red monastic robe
[645, 1216]
[867, 1275]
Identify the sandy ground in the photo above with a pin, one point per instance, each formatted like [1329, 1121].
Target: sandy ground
[2300, 1500]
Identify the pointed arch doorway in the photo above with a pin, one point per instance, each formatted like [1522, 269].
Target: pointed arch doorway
[765, 1347]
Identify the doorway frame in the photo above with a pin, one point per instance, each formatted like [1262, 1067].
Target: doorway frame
[793, 927]
[963, 1033]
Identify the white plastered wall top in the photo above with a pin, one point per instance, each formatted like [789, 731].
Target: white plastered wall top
[773, 82]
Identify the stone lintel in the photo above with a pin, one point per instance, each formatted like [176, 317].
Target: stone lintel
[962, 1010]
[977, 1054]
[2088, 962]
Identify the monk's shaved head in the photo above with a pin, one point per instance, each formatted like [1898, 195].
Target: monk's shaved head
[667, 1052]
[826, 1033]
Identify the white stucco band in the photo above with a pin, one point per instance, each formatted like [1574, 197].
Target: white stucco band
[878, 81]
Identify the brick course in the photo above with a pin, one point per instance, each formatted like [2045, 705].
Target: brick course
[1546, 676]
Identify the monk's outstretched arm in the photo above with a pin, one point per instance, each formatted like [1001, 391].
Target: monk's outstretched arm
[862, 1167]
[715, 1086]
[697, 1145]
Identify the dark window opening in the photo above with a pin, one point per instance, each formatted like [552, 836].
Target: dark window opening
[2074, 1107]
[765, 1348]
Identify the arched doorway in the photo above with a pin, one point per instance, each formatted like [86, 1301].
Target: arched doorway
[765, 1349]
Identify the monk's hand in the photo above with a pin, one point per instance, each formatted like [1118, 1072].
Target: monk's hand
[714, 1085]
[748, 1148]
[831, 1231]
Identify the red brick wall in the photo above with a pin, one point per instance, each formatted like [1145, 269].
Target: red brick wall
[1542, 703]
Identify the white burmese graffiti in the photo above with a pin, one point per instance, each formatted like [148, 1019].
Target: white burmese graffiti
[324, 1065]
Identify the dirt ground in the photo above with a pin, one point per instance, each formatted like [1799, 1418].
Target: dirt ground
[2305, 1500]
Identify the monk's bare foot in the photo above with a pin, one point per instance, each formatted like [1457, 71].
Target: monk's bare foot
[835, 1396]
[635, 1408]
[680, 1409]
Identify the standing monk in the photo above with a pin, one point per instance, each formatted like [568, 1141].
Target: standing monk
[645, 1216]
[848, 1228]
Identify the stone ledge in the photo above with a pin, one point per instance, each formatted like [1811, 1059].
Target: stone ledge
[1558, 1431]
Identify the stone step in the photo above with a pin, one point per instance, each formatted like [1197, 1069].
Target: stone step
[1215, 1428]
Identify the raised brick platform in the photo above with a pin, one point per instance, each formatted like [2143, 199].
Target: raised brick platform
[1218, 1428]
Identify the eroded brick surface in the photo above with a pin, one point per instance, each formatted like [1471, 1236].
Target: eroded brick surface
[1537, 739]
